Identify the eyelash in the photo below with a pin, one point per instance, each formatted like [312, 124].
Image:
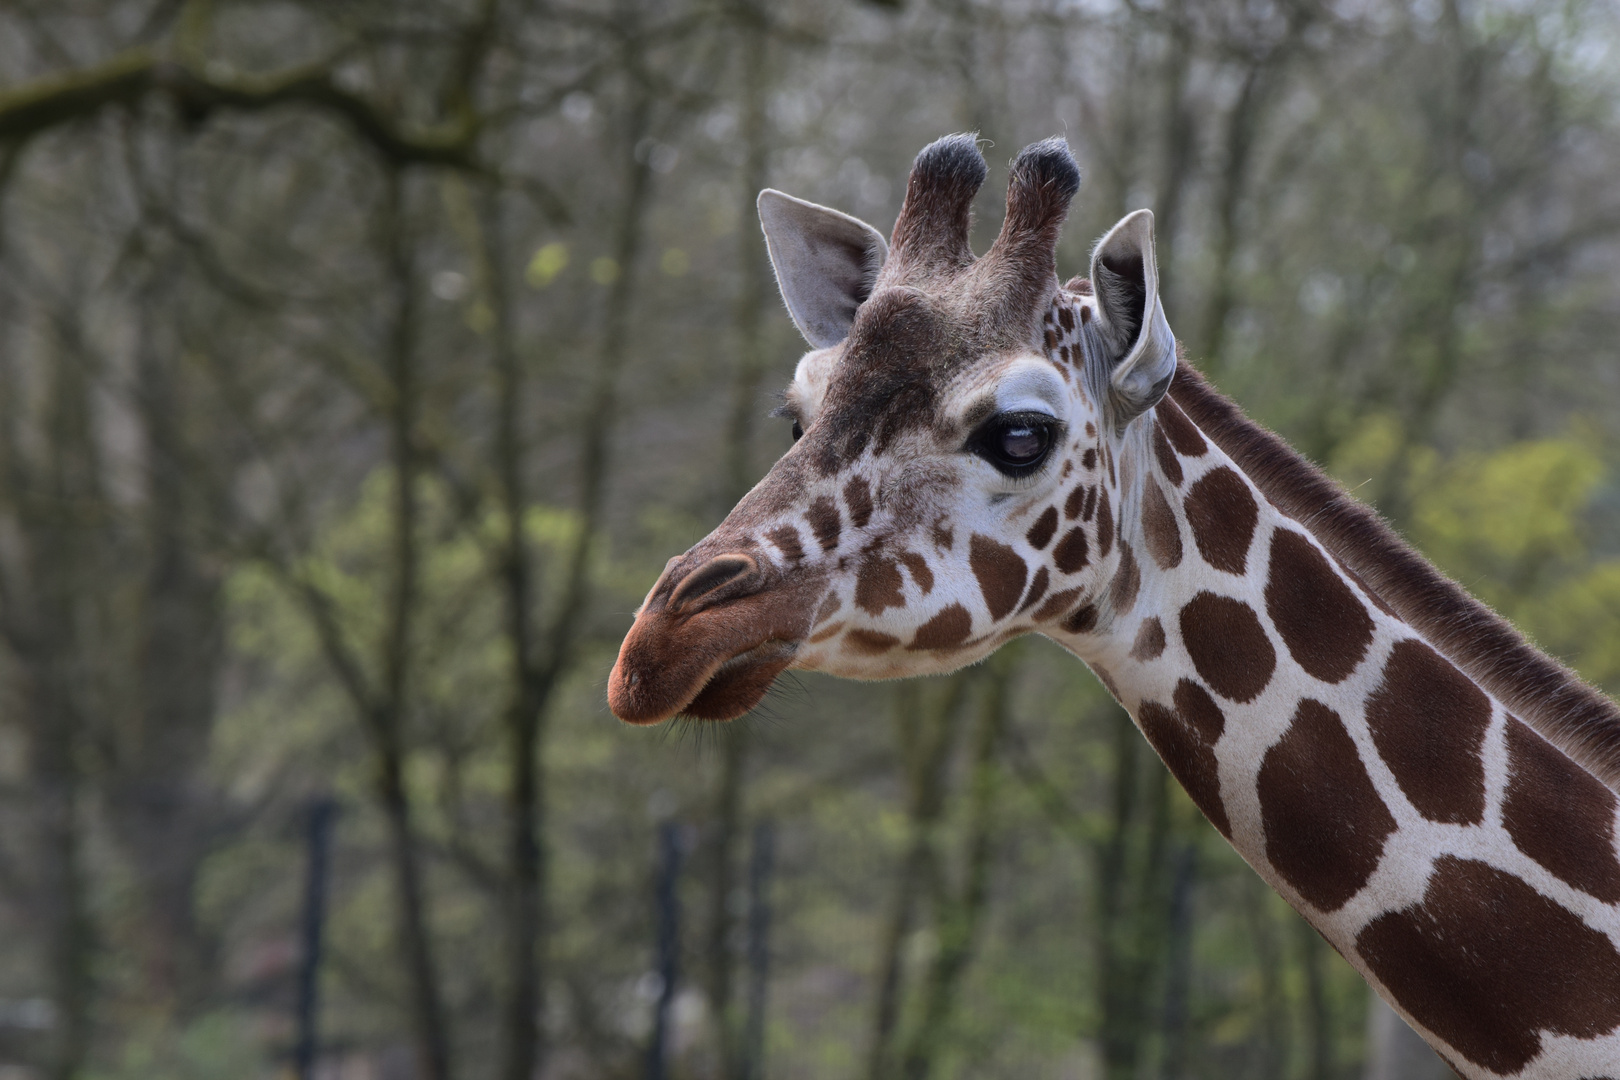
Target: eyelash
[786, 411]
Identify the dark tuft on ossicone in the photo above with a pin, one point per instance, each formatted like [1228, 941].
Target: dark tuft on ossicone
[1048, 164]
[951, 165]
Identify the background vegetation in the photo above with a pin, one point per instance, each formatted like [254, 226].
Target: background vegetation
[362, 361]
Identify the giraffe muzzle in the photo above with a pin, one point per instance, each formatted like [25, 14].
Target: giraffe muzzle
[708, 642]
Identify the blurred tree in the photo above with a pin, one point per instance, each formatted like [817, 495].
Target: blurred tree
[360, 363]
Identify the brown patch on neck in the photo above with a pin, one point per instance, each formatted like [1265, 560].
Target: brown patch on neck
[1228, 645]
[1488, 964]
[1169, 463]
[1127, 580]
[1559, 815]
[1185, 739]
[1149, 643]
[1551, 698]
[1159, 527]
[1321, 620]
[1222, 515]
[1325, 824]
[1181, 433]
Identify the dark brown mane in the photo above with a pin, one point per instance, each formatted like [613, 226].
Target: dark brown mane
[1552, 699]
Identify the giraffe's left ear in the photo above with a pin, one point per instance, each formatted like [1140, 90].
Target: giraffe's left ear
[1139, 350]
[825, 263]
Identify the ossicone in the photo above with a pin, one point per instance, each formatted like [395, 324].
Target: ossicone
[931, 233]
[1044, 181]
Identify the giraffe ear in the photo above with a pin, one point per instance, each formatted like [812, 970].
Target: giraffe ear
[1138, 347]
[825, 263]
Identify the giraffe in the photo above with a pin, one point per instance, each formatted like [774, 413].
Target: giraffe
[980, 453]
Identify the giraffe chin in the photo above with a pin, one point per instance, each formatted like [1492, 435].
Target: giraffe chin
[741, 682]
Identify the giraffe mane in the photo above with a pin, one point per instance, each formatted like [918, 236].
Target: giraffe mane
[1568, 712]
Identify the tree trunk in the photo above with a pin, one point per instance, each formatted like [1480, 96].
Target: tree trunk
[161, 805]
[1178, 974]
[388, 716]
[927, 736]
[1180, 147]
[521, 1038]
[45, 617]
[961, 917]
[727, 833]
[748, 317]
[1273, 1046]
[413, 934]
[1119, 1021]
[61, 899]
[1318, 1013]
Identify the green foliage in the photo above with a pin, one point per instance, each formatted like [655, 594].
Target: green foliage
[1515, 525]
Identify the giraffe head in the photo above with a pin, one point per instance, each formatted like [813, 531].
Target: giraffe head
[952, 483]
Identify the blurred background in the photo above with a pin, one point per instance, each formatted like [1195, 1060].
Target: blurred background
[361, 363]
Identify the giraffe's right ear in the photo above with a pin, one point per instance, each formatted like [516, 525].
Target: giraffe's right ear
[825, 263]
[1138, 350]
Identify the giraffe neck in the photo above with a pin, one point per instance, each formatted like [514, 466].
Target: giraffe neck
[1460, 861]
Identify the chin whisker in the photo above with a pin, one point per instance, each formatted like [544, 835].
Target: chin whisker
[687, 731]
[784, 697]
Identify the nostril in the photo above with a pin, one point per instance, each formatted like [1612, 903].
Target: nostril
[718, 572]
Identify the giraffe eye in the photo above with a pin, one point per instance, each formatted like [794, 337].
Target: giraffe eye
[1016, 443]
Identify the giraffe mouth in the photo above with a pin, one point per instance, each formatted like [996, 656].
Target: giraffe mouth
[741, 682]
[721, 690]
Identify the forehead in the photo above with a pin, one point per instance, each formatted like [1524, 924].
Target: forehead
[1019, 376]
